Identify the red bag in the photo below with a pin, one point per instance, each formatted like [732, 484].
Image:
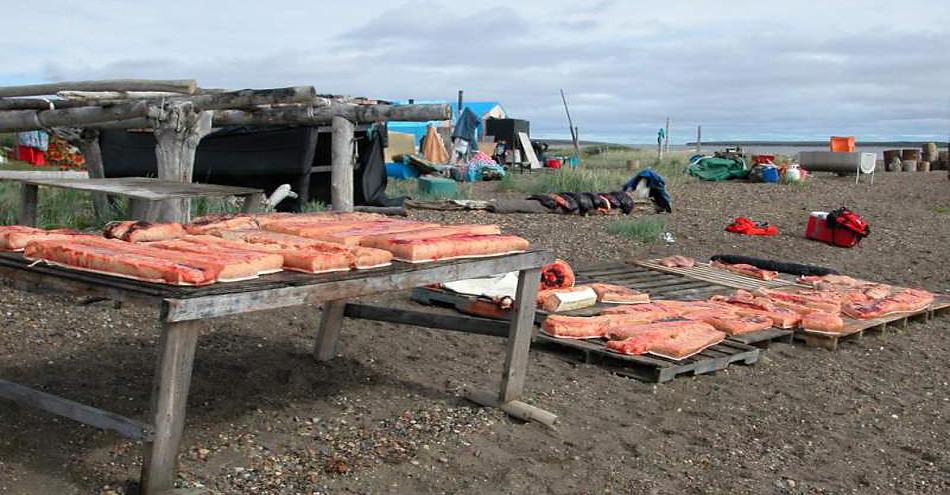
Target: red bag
[742, 225]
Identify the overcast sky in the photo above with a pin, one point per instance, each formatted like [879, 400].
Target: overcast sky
[743, 69]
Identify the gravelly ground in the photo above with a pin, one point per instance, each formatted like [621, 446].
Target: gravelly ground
[873, 417]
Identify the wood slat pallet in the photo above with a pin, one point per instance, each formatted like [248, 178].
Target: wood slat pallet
[704, 271]
[654, 368]
[856, 329]
[668, 285]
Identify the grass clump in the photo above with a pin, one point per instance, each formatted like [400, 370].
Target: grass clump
[645, 229]
[577, 180]
[941, 210]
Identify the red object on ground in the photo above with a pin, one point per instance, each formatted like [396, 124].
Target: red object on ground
[553, 163]
[557, 275]
[742, 225]
[29, 155]
[763, 159]
[818, 230]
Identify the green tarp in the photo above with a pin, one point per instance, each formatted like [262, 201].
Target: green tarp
[717, 169]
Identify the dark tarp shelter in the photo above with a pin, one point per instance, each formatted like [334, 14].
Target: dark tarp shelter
[264, 158]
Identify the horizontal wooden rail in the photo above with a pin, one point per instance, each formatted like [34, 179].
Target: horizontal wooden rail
[82, 413]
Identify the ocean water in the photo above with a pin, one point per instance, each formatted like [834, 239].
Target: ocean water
[792, 150]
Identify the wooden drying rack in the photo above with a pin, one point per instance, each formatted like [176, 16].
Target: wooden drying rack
[184, 311]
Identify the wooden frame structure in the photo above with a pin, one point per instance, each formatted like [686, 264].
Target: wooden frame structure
[185, 311]
[180, 114]
[143, 192]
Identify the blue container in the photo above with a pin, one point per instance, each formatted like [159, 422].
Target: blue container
[769, 174]
[401, 171]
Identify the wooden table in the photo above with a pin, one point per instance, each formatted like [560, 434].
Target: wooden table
[141, 191]
[184, 310]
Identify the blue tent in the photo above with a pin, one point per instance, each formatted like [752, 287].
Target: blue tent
[480, 108]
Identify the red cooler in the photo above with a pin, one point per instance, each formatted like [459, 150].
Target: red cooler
[817, 229]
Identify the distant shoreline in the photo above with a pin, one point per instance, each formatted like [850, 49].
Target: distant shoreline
[816, 143]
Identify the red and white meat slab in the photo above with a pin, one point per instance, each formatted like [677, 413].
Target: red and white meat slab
[673, 340]
[677, 261]
[16, 237]
[747, 270]
[133, 231]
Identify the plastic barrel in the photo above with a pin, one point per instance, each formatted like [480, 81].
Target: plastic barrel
[923, 166]
[909, 165]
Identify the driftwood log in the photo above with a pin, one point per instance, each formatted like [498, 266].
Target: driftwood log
[24, 120]
[318, 115]
[342, 153]
[186, 86]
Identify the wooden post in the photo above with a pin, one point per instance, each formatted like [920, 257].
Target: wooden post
[570, 126]
[519, 335]
[341, 164]
[306, 166]
[178, 135]
[88, 144]
[29, 197]
[699, 139]
[252, 203]
[328, 334]
[666, 138]
[176, 355]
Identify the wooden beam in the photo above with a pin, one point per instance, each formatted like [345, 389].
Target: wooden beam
[466, 324]
[186, 86]
[515, 408]
[23, 120]
[176, 356]
[211, 306]
[39, 104]
[93, 97]
[75, 411]
[342, 154]
[308, 115]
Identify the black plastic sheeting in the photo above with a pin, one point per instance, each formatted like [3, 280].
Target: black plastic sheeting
[776, 266]
[258, 157]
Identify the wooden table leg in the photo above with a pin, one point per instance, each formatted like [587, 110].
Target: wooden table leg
[176, 355]
[252, 203]
[519, 335]
[329, 332]
[138, 209]
[28, 200]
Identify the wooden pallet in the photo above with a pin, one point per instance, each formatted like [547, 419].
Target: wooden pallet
[854, 330]
[667, 285]
[654, 368]
[704, 271]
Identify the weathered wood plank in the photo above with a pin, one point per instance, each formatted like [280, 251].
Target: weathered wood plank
[146, 188]
[328, 333]
[209, 306]
[520, 329]
[176, 354]
[23, 175]
[466, 324]
[29, 197]
[82, 413]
